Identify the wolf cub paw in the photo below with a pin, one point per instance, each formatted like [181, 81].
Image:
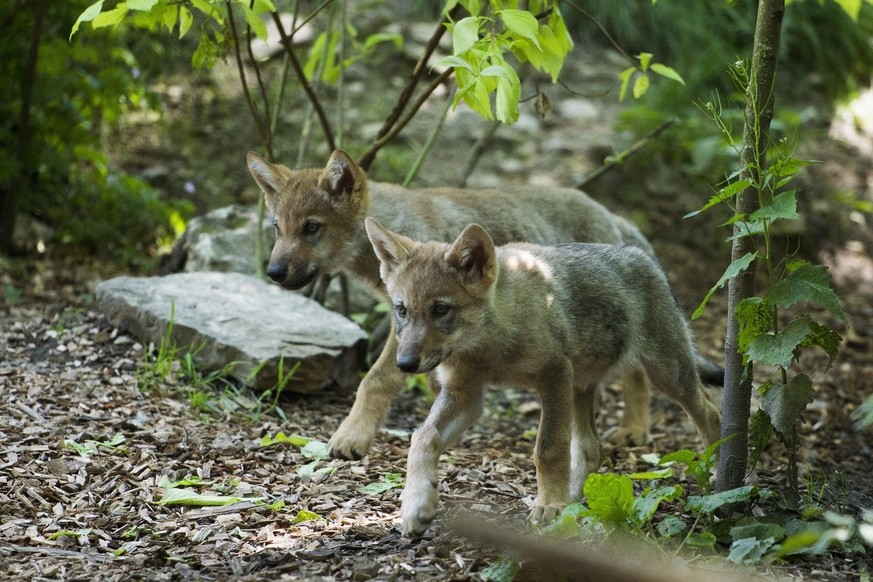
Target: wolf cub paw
[349, 444]
[543, 514]
[418, 509]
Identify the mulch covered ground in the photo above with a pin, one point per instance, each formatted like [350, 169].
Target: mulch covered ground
[86, 456]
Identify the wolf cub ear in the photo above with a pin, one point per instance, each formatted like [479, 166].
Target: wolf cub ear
[340, 175]
[271, 178]
[474, 256]
[390, 247]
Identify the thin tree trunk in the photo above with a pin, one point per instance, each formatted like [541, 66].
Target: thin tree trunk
[734, 454]
[11, 197]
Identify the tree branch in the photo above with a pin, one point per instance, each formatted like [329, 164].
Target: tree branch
[304, 82]
[611, 40]
[636, 147]
[417, 72]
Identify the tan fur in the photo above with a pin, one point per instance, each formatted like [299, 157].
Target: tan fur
[561, 320]
[339, 197]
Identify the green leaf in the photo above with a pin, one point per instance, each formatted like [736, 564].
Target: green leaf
[610, 496]
[648, 475]
[625, 77]
[465, 33]
[851, 7]
[645, 59]
[824, 337]
[88, 15]
[261, 6]
[315, 450]
[782, 206]
[755, 316]
[389, 481]
[211, 10]
[110, 18]
[185, 20]
[758, 530]
[192, 498]
[708, 504]
[704, 539]
[725, 193]
[521, 23]
[806, 283]
[503, 570]
[744, 228]
[785, 403]
[686, 456]
[455, 63]
[191, 480]
[777, 349]
[169, 17]
[760, 430]
[254, 21]
[566, 525]
[641, 85]
[282, 438]
[305, 515]
[508, 96]
[70, 533]
[734, 269]
[667, 72]
[142, 5]
[671, 527]
[645, 506]
[749, 550]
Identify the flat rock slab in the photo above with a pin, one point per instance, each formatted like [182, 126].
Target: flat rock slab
[238, 318]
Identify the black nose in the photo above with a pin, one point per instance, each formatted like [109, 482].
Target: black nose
[276, 272]
[407, 363]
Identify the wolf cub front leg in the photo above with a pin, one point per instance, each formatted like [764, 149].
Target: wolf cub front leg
[454, 411]
[552, 450]
[373, 399]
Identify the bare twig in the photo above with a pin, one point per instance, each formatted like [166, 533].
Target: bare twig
[611, 40]
[477, 151]
[413, 171]
[268, 133]
[417, 72]
[256, 116]
[398, 127]
[636, 147]
[304, 82]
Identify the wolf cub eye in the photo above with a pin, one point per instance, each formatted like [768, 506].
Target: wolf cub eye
[400, 310]
[276, 226]
[441, 309]
[311, 227]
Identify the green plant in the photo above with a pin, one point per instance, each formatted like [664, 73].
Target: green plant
[268, 401]
[64, 109]
[670, 518]
[763, 337]
[157, 364]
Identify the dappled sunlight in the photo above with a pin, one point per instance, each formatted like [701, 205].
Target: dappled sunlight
[851, 267]
[521, 260]
[853, 123]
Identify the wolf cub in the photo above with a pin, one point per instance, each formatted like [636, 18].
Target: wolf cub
[559, 319]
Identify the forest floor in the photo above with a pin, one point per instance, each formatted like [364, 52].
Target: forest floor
[78, 501]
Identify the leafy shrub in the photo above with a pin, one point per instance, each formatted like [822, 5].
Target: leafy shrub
[80, 91]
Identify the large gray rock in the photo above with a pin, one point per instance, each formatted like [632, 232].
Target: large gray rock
[224, 239]
[238, 318]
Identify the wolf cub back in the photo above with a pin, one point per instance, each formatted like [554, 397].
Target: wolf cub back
[559, 319]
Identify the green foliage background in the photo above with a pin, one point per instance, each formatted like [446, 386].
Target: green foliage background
[81, 91]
